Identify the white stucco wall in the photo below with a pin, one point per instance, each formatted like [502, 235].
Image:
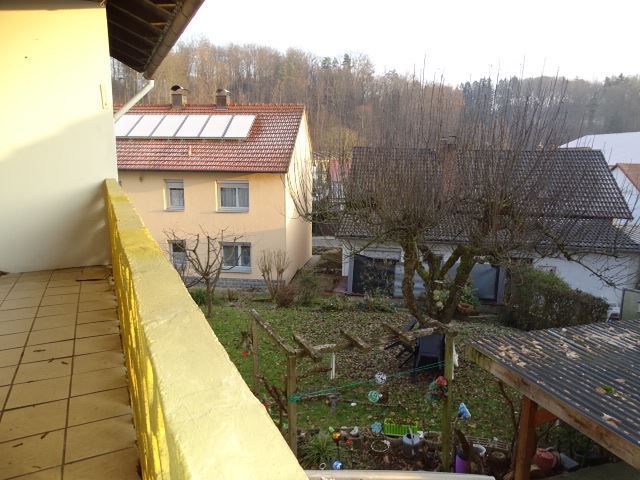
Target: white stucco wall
[56, 134]
[623, 271]
[630, 192]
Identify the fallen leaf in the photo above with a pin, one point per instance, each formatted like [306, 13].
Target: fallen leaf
[601, 390]
[610, 420]
[620, 380]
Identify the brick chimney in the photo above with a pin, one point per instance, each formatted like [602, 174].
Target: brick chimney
[222, 98]
[178, 96]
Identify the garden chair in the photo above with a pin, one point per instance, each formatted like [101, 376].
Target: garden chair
[429, 349]
[408, 351]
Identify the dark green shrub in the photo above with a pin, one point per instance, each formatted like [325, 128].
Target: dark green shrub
[318, 449]
[307, 288]
[199, 296]
[539, 299]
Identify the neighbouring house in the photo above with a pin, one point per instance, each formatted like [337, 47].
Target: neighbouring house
[594, 203]
[617, 147]
[220, 166]
[627, 176]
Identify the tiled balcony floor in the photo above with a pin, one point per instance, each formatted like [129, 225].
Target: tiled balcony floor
[64, 402]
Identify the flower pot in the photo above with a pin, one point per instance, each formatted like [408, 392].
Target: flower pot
[461, 465]
[465, 308]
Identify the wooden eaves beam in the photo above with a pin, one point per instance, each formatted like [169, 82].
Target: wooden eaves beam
[565, 412]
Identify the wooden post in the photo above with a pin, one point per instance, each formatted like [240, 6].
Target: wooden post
[292, 407]
[255, 344]
[448, 400]
[526, 439]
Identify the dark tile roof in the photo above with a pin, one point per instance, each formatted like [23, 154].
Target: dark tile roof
[268, 148]
[591, 370]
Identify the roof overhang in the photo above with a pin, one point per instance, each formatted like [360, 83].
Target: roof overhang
[142, 32]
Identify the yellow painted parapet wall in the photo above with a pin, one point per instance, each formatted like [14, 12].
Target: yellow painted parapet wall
[194, 415]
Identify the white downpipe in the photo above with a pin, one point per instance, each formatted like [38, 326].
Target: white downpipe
[135, 99]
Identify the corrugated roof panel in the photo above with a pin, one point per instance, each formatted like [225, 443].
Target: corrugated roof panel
[169, 126]
[240, 126]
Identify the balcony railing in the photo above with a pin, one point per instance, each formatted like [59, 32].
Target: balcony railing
[195, 417]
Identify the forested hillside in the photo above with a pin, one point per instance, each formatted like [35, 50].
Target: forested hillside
[348, 103]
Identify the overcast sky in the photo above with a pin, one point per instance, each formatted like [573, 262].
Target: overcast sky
[460, 39]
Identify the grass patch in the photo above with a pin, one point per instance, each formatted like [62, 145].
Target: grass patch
[406, 398]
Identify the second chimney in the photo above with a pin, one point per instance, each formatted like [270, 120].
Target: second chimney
[178, 96]
[222, 98]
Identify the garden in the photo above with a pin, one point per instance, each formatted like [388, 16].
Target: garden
[356, 407]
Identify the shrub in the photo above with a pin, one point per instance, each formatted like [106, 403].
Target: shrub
[540, 299]
[375, 303]
[307, 288]
[285, 295]
[199, 295]
[318, 449]
[232, 295]
[336, 303]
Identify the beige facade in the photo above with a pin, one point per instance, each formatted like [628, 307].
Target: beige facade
[271, 221]
[56, 134]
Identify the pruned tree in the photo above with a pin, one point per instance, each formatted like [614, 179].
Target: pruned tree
[480, 172]
[272, 265]
[199, 259]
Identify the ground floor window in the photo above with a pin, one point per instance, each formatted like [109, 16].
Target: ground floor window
[236, 257]
[177, 250]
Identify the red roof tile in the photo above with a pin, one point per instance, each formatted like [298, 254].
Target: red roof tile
[632, 171]
[268, 148]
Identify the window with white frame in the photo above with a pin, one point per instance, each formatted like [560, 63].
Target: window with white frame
[236, 257]
[177, 250]
[233, 196]
[175, 194]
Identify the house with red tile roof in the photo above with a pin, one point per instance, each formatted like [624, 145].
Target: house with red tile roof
[220, 166]
[627, 176]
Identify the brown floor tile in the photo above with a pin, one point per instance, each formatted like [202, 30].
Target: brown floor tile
[13, 341]
[96, 305]
[97, 316]
[96, 329]
[29, 372]
[57, 309]
[51, 335]
[99, 437]
[98, 380]
[95, 287]
[26, 421]
[62, 290]
[49, 474]
[60, 299]
[54, 321]
[27, 455]
[97, 296]
[10, 357]
[15, 326]
[47, 351]
[6, 375]
[3, 395]
[98, 406]
[20, 303]
[30, 284]
[98, 344]
[97, 361]
[17, 293]
[121, 465]
[18, 314]
[62, 283]
[41, 391]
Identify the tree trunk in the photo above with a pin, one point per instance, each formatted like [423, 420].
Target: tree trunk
[209, 296]
[410, 264]
[462, 276]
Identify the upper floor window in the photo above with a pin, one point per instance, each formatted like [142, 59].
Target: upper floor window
[233, 196]
[175, 194]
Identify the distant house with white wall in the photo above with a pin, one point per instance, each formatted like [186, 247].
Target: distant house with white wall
[220, 166]
[600, 246]
[616, 147]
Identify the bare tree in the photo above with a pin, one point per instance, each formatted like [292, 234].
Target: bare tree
[272, 265]
[199, 258]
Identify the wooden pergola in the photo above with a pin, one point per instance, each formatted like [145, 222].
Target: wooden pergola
[304, 348]
[587, 376]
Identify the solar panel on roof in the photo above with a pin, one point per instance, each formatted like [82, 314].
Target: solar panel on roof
[125, 123]
[240, 126]
[192, 126]
[169, 126]
[216, 126]
[145, 126]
